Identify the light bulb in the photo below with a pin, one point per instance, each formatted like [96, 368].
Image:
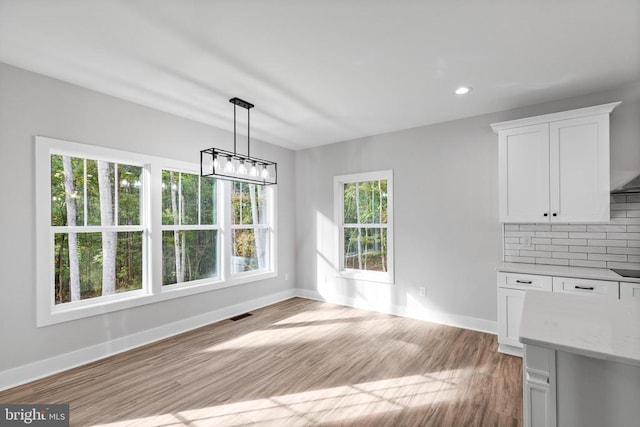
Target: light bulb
[265, 172]
[216, 163]
[229, 167]
[254, 170]
[241, 169]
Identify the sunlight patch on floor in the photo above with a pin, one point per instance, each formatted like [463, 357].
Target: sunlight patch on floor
[319, 406]
[288, 335]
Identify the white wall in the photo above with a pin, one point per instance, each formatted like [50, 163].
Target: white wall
[447, 234]
[31, 104]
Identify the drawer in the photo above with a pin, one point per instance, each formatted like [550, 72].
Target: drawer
[630, 291]
[524, 281]
[601, 288]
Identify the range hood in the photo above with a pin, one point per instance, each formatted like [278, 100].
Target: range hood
[630, 187]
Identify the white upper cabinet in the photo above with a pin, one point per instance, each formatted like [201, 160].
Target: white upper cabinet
[555, 168]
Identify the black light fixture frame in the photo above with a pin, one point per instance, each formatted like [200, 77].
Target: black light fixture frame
[213, 153]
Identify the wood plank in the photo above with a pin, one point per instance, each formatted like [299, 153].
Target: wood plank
[298, 362]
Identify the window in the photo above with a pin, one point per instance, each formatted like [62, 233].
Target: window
[250, 227]
[189, 228]
[364, 214]
[97, 228]
[98, 212]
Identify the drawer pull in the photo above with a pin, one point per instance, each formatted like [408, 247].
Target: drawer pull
[524, 282]
[584, 288]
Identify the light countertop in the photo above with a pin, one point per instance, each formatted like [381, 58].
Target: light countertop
[564, 271]
[601, 328]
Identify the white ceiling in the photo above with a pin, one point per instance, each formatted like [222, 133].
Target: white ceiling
[327, 71]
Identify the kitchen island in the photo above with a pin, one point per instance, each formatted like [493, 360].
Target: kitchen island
[581, 360]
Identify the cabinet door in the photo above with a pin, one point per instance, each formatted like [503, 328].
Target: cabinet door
[510, 303]
[579, 168]
[524, 174]
[630, 291]
[539, 386]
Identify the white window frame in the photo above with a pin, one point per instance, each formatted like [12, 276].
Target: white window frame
[267, 226]
[338, 203]
[197, 227]
[152, 291]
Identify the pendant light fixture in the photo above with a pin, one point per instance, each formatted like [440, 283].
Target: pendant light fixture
[233, 166]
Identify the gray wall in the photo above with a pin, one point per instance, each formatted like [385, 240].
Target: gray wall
[447, 235]
[31, 104]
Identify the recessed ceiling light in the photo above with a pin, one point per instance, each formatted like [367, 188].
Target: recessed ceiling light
[463, 90]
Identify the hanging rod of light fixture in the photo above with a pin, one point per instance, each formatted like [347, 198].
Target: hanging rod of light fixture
[234, 166]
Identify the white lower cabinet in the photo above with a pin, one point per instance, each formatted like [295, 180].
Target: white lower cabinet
[539, 386]
[512, 288]
[510, 302]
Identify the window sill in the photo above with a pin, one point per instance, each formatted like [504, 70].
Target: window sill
[88, 308]
[367, 277]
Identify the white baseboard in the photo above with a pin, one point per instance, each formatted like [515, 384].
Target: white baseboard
[464, 322]
[43, 368]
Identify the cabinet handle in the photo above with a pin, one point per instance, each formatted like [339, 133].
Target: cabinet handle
[524, 282]
[546, 214]
[584, 288]
[555, 214]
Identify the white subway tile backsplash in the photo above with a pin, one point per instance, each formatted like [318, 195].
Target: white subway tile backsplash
[573, 235]
[583, 263]
[541, 241]
[588, 249]
[623, 236]
[553, 234]
[535, 227]
[513, 246]
[570, 255]
[576, 242]
[552, 248]
[527, 260]
[537, 254]
[608, 257]
[568, 227]
[628, 251]
[519, 234]
[621, 243]
[627, 265]
[619, 198]
[625, 220]
[552, 261]
[625, 206]
[607, 228]
[612, 245]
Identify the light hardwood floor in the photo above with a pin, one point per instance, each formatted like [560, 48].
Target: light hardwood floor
[298, 362]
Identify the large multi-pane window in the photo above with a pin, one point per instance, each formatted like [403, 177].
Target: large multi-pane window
[116, 229]
[250, 227]
[97, 228]
[364, 214]
[189, 227]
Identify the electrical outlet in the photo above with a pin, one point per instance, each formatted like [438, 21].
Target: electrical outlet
[423, 292]
[526, 242]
